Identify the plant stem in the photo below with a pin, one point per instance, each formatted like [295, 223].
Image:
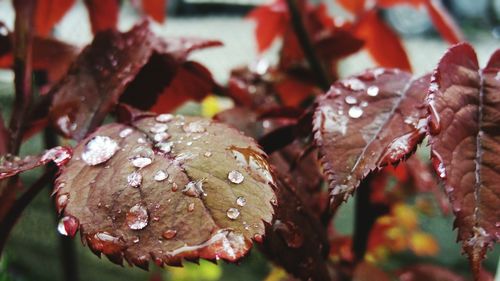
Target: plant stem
[366, 213]
[306, 45]
[66, 244]
[21, 203]
[23, 41]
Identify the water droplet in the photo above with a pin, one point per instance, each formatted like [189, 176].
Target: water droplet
[68, 226]
[169, 234]
[137, 217]
[141, 162]
[208, 154]
[350, 100]
[191, 207]
[355, 112]
[158, 128]
[160, 175]
[134, 179]
[159, 137]
[258, 238]
[241, 201]
[194, 189]
[141, 141]
[125, 132]
[235, 177]
[99, 150]
[233, 213]
[434, 119]
[175, 187]
[135, 239]
[165, 147]
[354, 84]
[195, 127]
[189, 143]
[164, 117]
[372, 91]
[61, 202]
[437, 163]
[364, 104]
[60, 155]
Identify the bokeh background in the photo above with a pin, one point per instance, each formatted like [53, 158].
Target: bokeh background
[33, 251]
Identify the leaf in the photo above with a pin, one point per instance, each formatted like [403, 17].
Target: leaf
[192, 81]
[444, 22]
[48, 13]
[49, 55]
[155, 8]
[367, 272]
[135, 64]
[381, 41]
[103, 14]
[464, 137]
[13, 165]
[296, 240]
[366, 122]
[271, 21]
[353, 6]
[166, 188]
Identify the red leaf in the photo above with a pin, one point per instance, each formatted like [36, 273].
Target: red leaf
[192, 81]
[366, 122]
[103, 14]
[391, 3]
[382, 42]
[367, 272]
[135, 64]
[353, 6]
[271, 21]
[155, 8]
[443, 22]
[167, 188]
[48, 13]
[49, 55]
[465, 143]
[13, 165]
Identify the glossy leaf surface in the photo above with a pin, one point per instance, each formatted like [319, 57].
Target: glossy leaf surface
[366, 122]
[167, 188]
[464, 120]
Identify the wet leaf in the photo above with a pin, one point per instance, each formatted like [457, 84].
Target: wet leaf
[103, 14]
[167, 188]
[381, 41]
[296, 240]
[353, 6]
[12, 165]
[465, 143]
[117, 64]
[48, 13]
[366, 122]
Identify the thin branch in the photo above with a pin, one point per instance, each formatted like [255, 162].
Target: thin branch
[23, 42]
[21, 203]
[306, 45]
[366, 213]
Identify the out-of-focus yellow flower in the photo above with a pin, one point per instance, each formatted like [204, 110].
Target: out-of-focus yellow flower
[212, 105]
[423, 244]
[276, 274]
[206, 271]
[405, 216]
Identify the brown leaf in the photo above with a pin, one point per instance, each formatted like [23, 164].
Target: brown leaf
[464, 126]
[366, 122]
[167, 188]
[136, 64]
[12, 165]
